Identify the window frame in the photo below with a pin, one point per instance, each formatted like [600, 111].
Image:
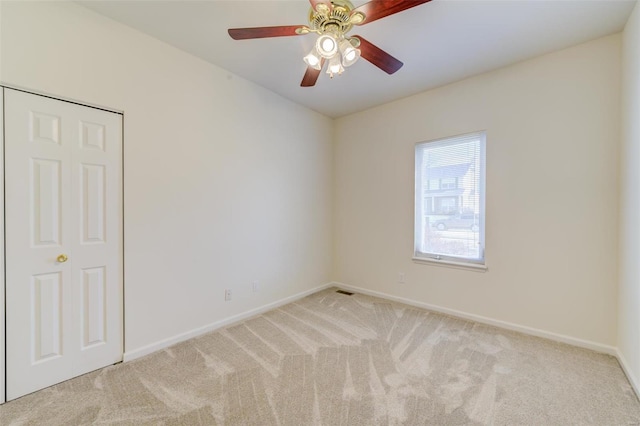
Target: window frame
[420, 210]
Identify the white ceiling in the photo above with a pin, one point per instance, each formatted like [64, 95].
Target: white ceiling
[439, 42]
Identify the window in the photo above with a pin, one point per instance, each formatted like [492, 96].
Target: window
[449, 216]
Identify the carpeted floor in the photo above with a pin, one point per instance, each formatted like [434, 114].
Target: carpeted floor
[333, 359]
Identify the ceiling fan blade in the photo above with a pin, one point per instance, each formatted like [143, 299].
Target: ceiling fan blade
[264, 32]
[377, 9]
[378, 57]
[311, 76]
[315, 3]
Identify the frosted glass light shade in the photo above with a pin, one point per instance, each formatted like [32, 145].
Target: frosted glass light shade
[327, 45]
[335, 66]
[313, 59]
[349, 53]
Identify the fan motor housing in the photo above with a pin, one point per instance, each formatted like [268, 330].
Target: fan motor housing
[336, 20]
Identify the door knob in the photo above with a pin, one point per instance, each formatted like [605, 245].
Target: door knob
[62, 258]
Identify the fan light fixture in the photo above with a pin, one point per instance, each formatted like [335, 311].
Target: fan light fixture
[339, 54]
[331, 24]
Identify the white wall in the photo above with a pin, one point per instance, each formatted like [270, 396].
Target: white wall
[2, 287]
[2, 303]
[1, 41]
[552, 193]
[629, 287]
[225, 182]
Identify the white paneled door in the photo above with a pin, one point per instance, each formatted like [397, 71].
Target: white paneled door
[64, 290]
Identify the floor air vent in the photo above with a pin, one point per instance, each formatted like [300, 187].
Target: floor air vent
[344, 292]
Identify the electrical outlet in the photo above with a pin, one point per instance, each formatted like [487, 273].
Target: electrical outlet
[400, 277]
[227, 294]
[254, 286]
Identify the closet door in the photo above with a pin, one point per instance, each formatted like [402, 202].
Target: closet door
[63, 178]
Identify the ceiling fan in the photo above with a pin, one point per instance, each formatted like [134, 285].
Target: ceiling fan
[332, 20]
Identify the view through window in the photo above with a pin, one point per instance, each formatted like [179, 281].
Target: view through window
[449, 216]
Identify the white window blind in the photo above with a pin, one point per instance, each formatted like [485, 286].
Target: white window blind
[449, 204]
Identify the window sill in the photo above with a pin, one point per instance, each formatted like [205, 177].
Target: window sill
[451, 264]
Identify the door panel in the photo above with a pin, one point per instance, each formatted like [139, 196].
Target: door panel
[94, 324]
[45, 202]
[63, 197]
[46, 324]
[44, 127]
[93, 203]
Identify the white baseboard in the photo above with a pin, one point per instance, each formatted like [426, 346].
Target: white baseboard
[627, 370]
[598, 347]
[162, 344]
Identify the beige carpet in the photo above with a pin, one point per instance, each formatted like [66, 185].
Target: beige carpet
[333, 359]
